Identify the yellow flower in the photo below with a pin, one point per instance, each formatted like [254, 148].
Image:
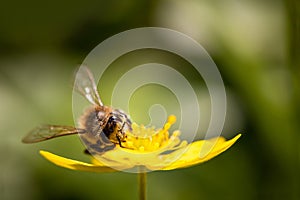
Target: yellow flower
[152, 149]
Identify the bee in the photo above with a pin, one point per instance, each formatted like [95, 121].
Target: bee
[101, 127]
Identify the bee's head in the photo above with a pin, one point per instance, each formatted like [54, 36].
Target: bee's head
[117, 125]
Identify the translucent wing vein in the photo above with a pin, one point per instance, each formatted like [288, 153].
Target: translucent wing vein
[86, 86]
[45, 132]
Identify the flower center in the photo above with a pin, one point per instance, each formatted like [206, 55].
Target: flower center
[144, 139]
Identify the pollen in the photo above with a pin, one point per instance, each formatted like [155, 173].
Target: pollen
[143, 139]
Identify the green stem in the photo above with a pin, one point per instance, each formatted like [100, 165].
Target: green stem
[142, 176]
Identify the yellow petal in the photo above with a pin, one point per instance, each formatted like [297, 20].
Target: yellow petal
[74, 164]
[192, 155]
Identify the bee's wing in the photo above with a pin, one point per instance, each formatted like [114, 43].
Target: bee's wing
[46, 132]
[86, 86]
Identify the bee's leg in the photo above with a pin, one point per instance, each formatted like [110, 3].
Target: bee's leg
[119, 140]
[120, 143]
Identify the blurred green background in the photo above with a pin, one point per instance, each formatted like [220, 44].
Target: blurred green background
[255, 45]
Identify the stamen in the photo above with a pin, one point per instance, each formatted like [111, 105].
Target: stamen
[146, 139]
